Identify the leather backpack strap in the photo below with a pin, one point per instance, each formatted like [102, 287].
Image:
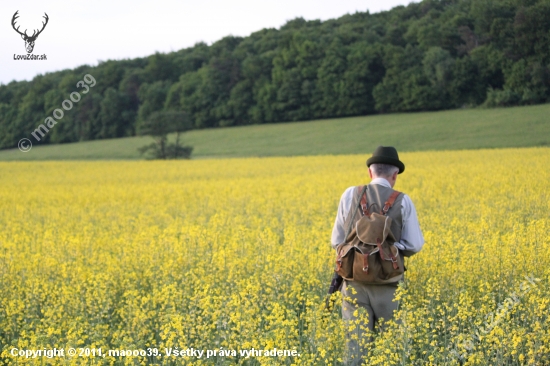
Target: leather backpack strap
[389, 203]
[392, 258]
[366, 262]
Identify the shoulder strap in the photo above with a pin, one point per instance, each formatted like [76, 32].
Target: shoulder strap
[362, 192]
[389, 203]
[364, 204]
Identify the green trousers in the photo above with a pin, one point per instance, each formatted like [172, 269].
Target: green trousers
[377, 301]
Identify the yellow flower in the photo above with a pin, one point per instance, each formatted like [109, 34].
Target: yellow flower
[235, 255]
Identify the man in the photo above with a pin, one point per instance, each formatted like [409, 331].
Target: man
[384, 166]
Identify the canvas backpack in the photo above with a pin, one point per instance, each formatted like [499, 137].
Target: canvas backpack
[368, 254]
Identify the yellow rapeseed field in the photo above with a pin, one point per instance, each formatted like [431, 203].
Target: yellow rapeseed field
[232, 255]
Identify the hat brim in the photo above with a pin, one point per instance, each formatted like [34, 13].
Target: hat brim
[386, 160]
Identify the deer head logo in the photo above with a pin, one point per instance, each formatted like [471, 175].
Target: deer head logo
[29, 40]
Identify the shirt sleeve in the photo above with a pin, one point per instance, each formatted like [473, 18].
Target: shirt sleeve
[338, 230]
[412, 239]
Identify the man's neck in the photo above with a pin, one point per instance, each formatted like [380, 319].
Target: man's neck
[381, 181]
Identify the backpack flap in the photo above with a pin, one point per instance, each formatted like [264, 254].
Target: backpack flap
[366, 264]
[373, 228]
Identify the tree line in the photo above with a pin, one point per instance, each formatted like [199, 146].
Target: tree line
[432, 55]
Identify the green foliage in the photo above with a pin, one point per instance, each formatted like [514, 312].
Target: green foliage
[431, 55]
[443, 130]
[158, 125]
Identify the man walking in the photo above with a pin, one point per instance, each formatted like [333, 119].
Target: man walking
[377, 299]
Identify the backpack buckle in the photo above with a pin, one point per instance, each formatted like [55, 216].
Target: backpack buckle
[394, 262]
[366, 262]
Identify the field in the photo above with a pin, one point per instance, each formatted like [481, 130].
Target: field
[446, 130]
[230, 255]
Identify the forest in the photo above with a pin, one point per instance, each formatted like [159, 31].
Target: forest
[431, 55]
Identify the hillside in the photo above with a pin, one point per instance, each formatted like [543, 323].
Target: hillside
[431, 55]
[445, 130]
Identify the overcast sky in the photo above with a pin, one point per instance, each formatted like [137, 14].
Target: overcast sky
[86, 31]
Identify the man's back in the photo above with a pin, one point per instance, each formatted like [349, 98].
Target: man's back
[376, 299]
[406, 230]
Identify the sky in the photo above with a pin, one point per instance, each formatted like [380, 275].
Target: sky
[87, 31]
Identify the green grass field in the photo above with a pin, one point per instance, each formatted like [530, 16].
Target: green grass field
[446, 130]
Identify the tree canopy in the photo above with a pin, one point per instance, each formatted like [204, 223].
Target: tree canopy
[432, 55]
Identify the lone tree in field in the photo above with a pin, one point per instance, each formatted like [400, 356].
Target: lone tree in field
[158, 125]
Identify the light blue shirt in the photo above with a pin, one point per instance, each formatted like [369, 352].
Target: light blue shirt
[411, 236]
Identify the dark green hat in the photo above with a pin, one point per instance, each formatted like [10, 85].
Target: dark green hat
[386, 155]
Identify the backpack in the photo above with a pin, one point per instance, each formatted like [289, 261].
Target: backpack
[368, 254]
